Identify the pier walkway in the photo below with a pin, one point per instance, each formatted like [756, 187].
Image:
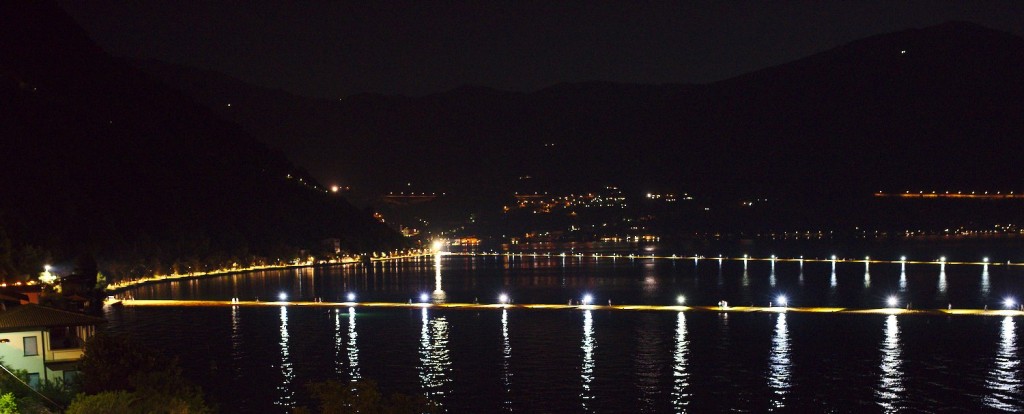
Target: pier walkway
[474, 306]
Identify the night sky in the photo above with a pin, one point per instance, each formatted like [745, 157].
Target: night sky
[336, 49]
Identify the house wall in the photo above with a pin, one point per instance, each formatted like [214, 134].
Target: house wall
[13, 352]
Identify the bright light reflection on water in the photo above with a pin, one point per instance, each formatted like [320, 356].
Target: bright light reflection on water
[353, 350]
[680, 374]
[435, 361]
[779, 370]
[1004, 382]
[587, 371]
[942, 280]
[890, 389]
[236, 340]
[339, 366]
[984, 281]
[285, 393]
[506, 359]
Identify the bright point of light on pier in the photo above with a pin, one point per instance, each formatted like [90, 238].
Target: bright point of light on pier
[587, 299]
[984, 260]
[903, 258]
[783, 302]
[833, 257]
[424, 297]
[282, 296]
[942, 259]
[680, 299]
[1009, 302]
[436, 245]
[892, 301]
[351, 297]
[503, 298]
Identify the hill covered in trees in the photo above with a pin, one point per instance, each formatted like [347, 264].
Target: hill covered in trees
[100, 159]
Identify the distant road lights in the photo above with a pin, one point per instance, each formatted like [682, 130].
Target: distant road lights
[588, 299]
[282, 296]
[892, 302]
[351, 297]
[503, 299]
[1009, 303]
[424, 297]
[782, 301]
[680, 299]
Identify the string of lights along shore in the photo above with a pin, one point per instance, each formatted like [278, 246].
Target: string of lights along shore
[780, 302]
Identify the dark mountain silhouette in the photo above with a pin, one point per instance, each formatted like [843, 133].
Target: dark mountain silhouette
[102, 159]
[939, 108]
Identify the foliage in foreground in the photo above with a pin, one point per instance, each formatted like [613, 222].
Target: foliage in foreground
[363, 397]
[120, 375]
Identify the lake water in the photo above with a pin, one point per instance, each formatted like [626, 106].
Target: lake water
[521, 360]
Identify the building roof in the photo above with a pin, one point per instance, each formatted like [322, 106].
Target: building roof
[27, 317]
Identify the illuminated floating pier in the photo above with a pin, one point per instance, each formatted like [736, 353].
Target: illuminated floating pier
[674, 308]
[633, 256]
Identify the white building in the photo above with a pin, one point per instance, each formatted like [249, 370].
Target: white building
[46, 342]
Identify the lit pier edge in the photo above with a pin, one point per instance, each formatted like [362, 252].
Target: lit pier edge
[673, 308]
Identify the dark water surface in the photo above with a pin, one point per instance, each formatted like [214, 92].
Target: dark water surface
[481, 361]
